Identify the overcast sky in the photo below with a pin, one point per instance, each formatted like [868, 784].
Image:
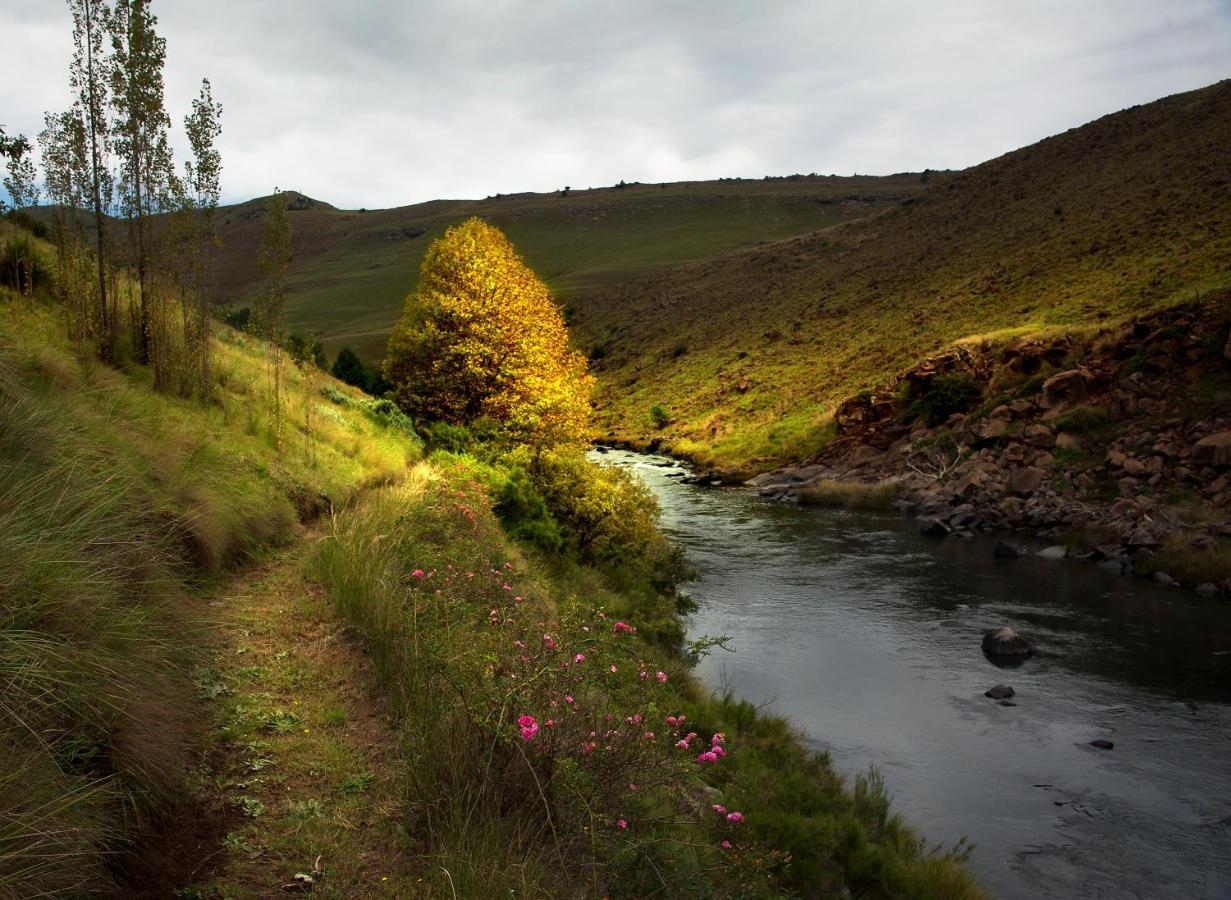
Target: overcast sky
[388, 102]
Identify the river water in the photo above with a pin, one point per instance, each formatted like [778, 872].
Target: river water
[866, 635]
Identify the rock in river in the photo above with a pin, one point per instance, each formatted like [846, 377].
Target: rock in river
[1005, 642]
[1102, 744]
[1009, 550]
[999, 692]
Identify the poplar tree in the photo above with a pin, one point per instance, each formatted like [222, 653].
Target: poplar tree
[66, 167]
[203, 183]
[22, 185]
[274, 259]
[141, 143]
[88, 78]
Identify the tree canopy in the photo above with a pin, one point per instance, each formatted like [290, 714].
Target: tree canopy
[481, 338]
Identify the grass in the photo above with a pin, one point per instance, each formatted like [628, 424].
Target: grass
[850, 495]
[116, 505]
[307, 759]
[353, 270]
[785, 331]
[1188, 564]
[420, 568]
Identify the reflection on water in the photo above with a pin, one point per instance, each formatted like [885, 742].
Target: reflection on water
[866, 634]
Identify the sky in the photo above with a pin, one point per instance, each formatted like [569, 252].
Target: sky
[389, 102]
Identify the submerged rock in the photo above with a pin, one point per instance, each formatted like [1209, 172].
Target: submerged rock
[1102, 744]
[1005, 642]
[1009, 550]
[1000, 692]
[935, 528]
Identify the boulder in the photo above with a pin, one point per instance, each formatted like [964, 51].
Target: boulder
[1041, 436]
[1213, 450]
[999, 692]
[1066, 387]
[1209, 589]
[1102, 744]
[1005, 642]
[1134, 467]
[1055, 552]
[1026, 480]
[1008, 550]
[1164, 579]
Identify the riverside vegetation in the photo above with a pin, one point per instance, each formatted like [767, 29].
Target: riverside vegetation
[515, 604]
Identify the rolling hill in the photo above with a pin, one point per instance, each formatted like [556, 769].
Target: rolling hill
[750, 352]
[352, 269]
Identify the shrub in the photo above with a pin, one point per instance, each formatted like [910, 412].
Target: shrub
[946, 395]
[1084, 420]
[659, 416]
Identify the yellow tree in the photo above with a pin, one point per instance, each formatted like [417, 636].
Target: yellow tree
[481, 338]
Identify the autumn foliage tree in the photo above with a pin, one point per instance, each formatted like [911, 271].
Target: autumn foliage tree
[481, 338]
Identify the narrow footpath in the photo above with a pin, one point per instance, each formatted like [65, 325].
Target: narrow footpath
[299, 787]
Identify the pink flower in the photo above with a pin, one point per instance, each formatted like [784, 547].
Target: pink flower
[718, 751]
[506, 587]
[550, 723]
[644, 674]
[631, 786]
[417, 573]
[720, 809]
[682, 744]
[624, 627]
[508, 565]
[529, 727]
[649, 735]
[662, 677]
[613, 669]
[568, 698]
[707, 757]
[735, 817]
[621, 824]
[588, 747]
[579, 658]
[726, 845]
[717, 739]
[549, 641]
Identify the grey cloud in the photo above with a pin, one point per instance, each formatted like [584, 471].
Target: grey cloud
[383, 103]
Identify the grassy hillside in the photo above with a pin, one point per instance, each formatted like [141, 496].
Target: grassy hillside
[749, 353]
[352, 269]
[116, 504]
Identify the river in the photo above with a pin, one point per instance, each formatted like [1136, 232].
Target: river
[866, 635]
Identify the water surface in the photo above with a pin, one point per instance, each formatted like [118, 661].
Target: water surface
[866, 635]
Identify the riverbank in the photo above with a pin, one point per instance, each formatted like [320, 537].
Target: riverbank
[1112, 446]
[867, 635]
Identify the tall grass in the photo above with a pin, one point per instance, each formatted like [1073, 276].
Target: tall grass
[115, 503]
[498, 816]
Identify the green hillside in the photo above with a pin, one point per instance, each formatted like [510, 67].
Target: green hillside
[750, 352]
[352, 269]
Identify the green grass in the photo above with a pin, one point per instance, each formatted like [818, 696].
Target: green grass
[353, 270]
[850, 495]
[116, 503]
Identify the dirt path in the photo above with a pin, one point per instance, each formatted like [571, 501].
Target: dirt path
[303, 758]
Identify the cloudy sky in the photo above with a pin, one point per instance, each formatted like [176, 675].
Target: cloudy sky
[388, 102]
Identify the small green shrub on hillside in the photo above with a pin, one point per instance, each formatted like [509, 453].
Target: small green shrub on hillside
[659, 416]
[1085, 420]
[946, 395]
[448, 438]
